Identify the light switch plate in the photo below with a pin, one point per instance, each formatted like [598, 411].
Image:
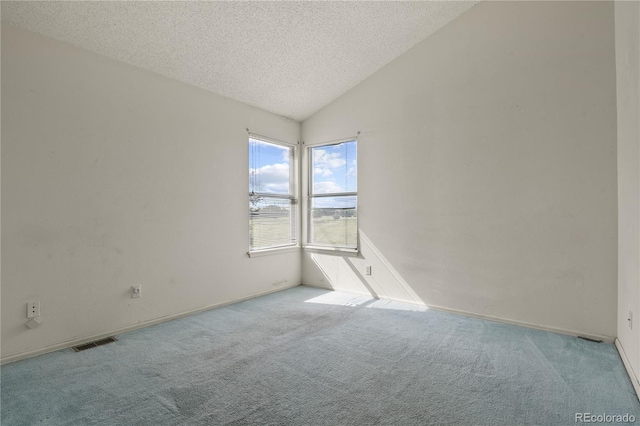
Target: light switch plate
[136, 291]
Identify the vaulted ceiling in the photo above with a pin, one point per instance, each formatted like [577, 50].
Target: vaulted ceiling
[290, 58]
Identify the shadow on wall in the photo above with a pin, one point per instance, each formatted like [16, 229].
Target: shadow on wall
[345, 273]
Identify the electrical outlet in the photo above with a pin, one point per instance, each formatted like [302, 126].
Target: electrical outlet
[630, 319]
[136, 291]
[33, 309]
[367, 269]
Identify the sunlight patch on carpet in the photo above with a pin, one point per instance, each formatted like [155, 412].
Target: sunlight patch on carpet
[338, 298]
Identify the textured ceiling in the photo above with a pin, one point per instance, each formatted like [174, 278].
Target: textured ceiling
[290, 58]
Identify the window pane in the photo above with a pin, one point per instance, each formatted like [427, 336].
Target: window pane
[334, 221]
[334, 168]
[271, 222]
[270, 167]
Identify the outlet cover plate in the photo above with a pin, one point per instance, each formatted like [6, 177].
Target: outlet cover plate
[33, 309]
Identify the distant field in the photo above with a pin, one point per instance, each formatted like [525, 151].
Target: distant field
[269, 231]
[272, 231]
[340, 232]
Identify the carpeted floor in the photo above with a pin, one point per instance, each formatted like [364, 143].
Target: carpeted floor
[306, 356]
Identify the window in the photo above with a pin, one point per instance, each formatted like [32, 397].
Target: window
[333, 195]
[272, 200]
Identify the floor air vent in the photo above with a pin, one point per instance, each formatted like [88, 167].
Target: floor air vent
[94, 344]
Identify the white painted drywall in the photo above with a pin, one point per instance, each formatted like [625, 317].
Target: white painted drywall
[627, 19]
[114, 176]
[487, 165]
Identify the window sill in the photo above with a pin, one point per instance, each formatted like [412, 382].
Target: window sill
[276, 250]
[336, 251]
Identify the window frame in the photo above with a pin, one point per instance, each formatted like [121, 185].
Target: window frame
[311, 196]
[292, 196]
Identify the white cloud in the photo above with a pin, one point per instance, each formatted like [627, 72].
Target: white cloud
[353, 170]
[319, 171]
[271, 178]
[326, 187]
[325, 160]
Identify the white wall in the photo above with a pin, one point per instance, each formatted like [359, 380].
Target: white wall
[627, 18]
[114, 176]
[487, 166]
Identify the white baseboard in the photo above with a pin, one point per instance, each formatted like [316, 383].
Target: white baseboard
[627, 366]
[607, 339]
[320, 286]
[76, 342]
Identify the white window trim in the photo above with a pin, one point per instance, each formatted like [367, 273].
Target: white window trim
[294, 196]
[338, 251]
[274, 250]
[307, 210]
[272, 140]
